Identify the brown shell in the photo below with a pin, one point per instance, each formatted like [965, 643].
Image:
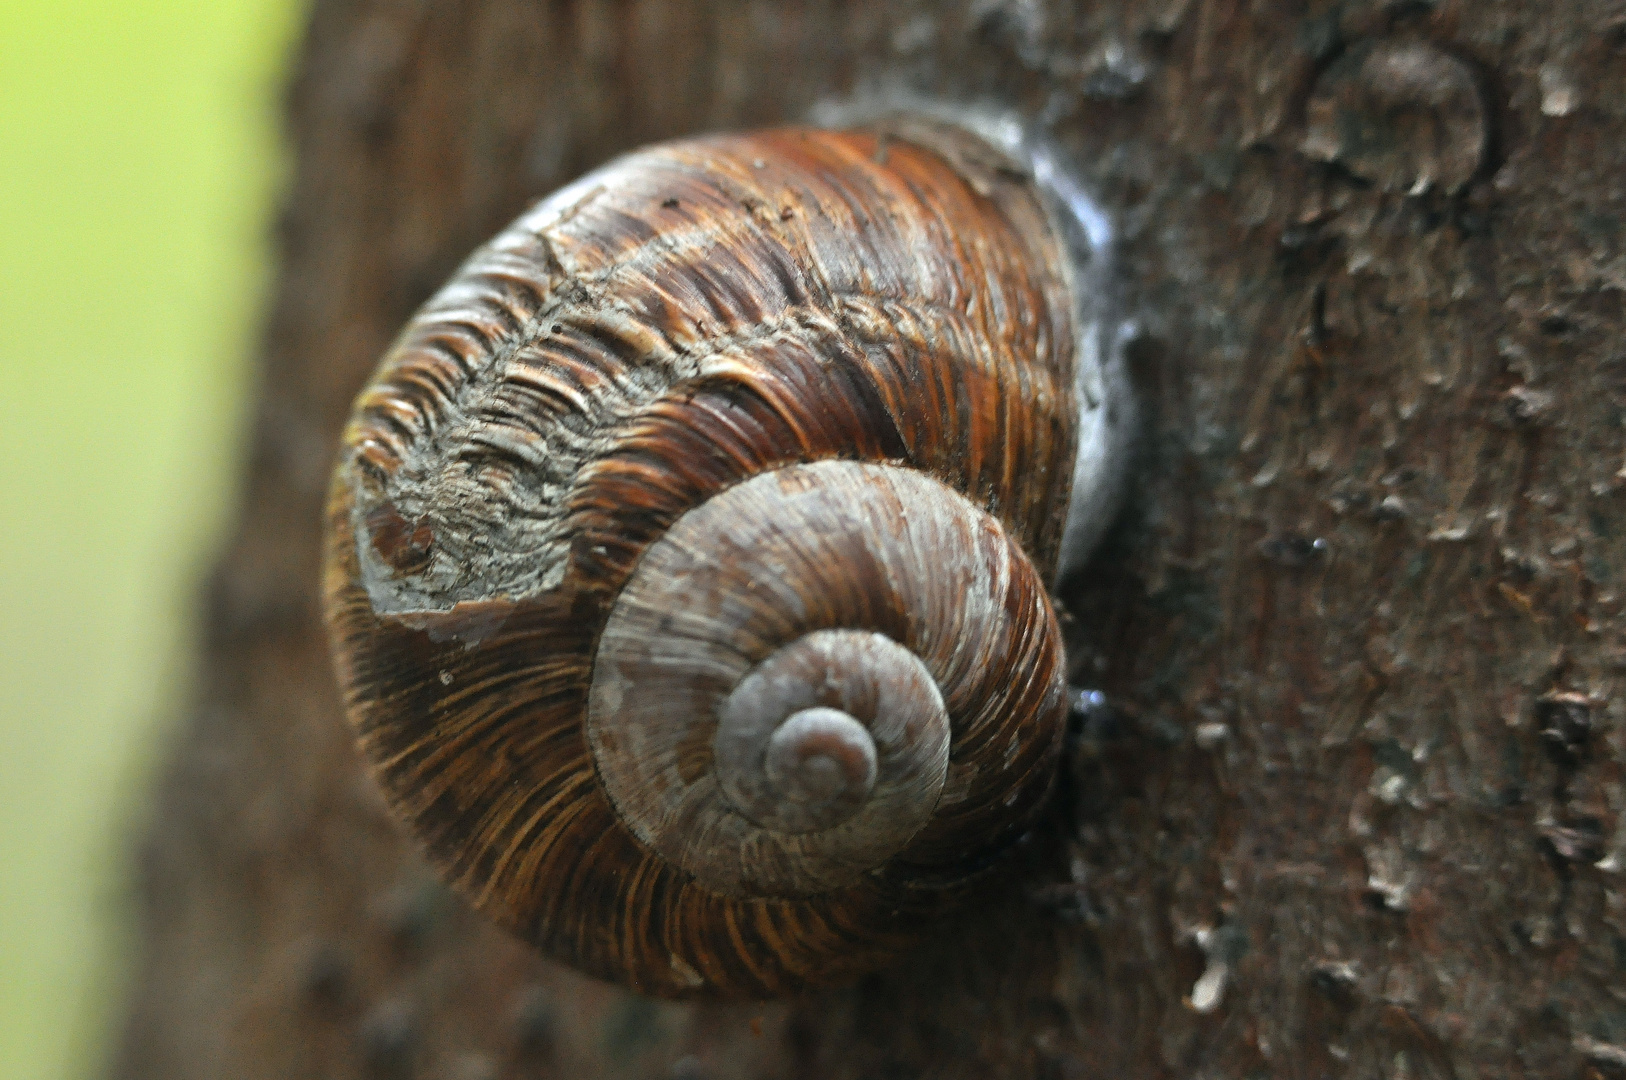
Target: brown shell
[673, 324]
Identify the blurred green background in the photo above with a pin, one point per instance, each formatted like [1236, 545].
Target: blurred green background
[139, 164]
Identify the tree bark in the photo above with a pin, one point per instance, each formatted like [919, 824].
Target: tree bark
[1350, 802]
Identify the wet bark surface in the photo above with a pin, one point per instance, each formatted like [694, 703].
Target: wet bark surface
[1348, 799]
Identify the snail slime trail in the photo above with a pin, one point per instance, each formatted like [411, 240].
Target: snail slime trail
[688, 555]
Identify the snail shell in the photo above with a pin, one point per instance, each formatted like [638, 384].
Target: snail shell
[688, 554]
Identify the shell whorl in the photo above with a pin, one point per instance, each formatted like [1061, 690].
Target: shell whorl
[688, 555]
[871, 592]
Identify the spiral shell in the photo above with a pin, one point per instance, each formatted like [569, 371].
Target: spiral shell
[688, 554]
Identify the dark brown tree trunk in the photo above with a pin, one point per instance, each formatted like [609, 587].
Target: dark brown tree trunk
[1352, 805]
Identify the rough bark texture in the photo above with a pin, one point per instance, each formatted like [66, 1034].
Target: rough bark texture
[1350, 802]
